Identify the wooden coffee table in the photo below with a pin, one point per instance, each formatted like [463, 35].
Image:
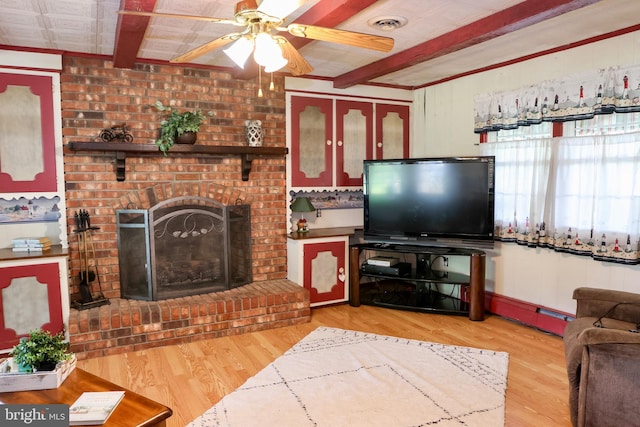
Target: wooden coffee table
[133, 410]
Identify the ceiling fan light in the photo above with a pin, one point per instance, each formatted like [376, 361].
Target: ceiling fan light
[240, 51]
[275, 63]
[268, 53]
[267, 50]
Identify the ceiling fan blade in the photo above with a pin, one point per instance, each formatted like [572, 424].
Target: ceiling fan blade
[205, 48]
[296, 63]
[279, 8]
[172, 15]
[367, 41]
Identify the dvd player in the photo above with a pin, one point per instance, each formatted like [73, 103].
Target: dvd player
[401, 269]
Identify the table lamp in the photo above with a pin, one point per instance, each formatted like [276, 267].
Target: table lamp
[302, 204]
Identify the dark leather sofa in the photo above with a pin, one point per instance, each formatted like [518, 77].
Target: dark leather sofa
[602, 350]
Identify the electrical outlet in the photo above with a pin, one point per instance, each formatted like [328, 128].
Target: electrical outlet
[445, 261]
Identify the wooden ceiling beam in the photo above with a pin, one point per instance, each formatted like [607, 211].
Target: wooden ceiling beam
[515, 18]
[330, 14]
[130, 32]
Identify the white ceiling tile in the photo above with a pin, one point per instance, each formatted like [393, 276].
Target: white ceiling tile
[62, 8]
[82, 26]
[25, 19]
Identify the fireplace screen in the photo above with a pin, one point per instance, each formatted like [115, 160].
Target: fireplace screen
[183, 246]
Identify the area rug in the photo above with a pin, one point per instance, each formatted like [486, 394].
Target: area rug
[336, 377]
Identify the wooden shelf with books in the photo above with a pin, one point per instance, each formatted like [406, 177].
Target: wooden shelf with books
[7, 254]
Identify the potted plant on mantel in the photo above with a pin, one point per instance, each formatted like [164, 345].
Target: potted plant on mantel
[178, 127]
[40, 351]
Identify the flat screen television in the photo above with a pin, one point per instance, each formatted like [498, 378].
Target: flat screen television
[430, 201]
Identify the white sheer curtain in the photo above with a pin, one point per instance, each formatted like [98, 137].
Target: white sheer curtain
[522, 180]
[573, 194]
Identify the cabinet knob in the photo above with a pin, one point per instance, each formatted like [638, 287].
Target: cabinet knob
[328, 142]
[341, 276]
[379, 144]
[339, 143]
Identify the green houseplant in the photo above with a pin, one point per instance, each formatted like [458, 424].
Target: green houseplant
[40, 351]
[176, 124]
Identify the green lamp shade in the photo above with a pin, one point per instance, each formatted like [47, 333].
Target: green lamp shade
[302, 204]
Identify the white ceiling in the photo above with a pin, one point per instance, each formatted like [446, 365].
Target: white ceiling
[91, 26]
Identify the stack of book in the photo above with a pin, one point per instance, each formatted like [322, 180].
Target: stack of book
[31, 244]
[94, 407]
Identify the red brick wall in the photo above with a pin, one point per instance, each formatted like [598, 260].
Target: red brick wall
[96, 96]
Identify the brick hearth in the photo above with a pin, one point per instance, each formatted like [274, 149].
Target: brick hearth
[128, 325]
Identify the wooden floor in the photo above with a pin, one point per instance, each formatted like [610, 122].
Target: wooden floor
[190, 378]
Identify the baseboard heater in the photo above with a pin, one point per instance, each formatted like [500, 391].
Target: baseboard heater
[555, 315]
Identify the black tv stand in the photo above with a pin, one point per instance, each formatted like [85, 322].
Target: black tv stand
[418, 291]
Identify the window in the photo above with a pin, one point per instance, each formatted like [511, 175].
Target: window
[605, 124]
[578, 193]
[522, 133]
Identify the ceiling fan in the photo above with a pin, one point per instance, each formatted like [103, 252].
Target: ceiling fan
[259, 36]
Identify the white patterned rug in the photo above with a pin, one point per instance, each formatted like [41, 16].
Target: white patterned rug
[336, 377]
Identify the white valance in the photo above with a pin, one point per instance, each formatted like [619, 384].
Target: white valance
[616, 89]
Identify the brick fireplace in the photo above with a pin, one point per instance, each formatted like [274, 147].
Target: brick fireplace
[130, 324]
[95, 96]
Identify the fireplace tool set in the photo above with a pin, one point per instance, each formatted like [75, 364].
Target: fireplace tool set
[88, 272]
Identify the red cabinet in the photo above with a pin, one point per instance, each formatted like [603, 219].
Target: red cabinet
[31, 296]
[34, 289]
[330, 138]
[354, 136]
[320, 265]
[27, 122]
[392, 131]
[312, 141]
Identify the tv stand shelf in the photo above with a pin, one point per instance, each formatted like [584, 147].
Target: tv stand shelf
[417, 288]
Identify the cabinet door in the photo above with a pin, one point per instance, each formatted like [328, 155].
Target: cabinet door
[311, 142]
[30, 298]
[392, 131]
[27, 134]
[354, 140]
[325, 271]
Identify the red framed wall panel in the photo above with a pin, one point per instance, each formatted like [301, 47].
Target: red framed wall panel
[311, 253]
[42, 87]
[46, 274]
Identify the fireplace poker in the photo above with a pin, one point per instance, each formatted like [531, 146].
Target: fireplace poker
[85, 290]
[93, 251]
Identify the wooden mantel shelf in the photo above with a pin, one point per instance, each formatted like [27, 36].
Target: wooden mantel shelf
[246, 153]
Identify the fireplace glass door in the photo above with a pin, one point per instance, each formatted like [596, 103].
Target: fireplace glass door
[133, 254]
